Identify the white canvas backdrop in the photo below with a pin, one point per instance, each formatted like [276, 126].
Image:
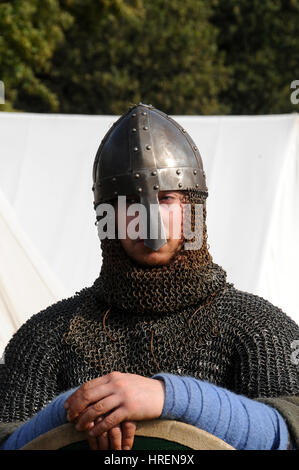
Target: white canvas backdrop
[26, 282]
[252, 168]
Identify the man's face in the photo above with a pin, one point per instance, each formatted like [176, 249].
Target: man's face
[172, 215]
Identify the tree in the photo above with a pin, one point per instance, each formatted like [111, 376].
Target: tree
[261, 44]
[119, 52]
[185, 57]
[30, 32]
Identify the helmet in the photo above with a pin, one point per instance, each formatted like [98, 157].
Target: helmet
[144, 152]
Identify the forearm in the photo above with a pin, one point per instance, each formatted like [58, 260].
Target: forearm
[288, 408]
[241, 422]
[6, 429]
[52, 416]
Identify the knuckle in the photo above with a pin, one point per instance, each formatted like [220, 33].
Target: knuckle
[103, 437]
[115, 432]
[85, 392]
[114, 375]
[129, 427]
[98, 419]
[120, 383]
[84, 387]
[85, 395]
[129, 433]
[103, 441]
[109, 422]
[99, 406]
[88, 385]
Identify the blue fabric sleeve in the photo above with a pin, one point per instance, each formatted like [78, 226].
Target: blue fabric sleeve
[243, 423]
[52, 416]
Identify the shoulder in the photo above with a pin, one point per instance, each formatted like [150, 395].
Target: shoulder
[263, 338]
[253, 313]
[44, 327]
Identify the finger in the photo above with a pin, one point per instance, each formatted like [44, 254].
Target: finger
[96, 410]
[128, 434]
[91, 384]
[88, 386]
[109, 421]
[86, 397]
[103, 441]
[115, 437]
[93, 443]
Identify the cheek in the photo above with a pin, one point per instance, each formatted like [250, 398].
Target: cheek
[122, 221]
[127, 245]
[172, 218]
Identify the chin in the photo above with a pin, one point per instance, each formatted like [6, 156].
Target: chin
[152, 260]
[147, 257]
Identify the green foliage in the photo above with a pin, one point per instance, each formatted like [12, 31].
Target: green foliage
[261, 42]
[185, 57]
[29, 34]
[159, 52]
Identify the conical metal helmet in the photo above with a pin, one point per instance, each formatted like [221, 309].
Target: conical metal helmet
[144, 152]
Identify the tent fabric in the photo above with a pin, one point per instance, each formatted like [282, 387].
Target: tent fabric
[252, 169]
[27, 285]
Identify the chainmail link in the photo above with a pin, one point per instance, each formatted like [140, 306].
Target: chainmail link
[205, 328]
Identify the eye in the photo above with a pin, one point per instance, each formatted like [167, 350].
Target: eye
[166, 198]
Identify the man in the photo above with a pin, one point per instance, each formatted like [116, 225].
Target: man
[160, 320]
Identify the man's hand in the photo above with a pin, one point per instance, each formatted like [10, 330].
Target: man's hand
[112, 399]
[121, 437]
